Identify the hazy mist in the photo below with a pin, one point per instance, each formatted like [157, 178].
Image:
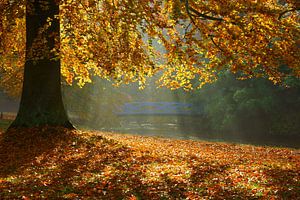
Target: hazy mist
[252, 111]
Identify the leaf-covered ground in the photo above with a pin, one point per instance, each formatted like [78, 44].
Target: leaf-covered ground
[54, 163]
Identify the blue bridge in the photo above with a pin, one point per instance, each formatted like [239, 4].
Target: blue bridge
[159, 108]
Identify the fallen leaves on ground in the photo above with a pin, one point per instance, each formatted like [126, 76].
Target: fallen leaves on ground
[55, 163]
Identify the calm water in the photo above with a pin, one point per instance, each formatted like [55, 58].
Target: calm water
[193, 130]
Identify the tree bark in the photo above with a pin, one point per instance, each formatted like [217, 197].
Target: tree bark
[41, 101]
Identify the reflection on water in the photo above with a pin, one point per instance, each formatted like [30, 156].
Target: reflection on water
[191, 128]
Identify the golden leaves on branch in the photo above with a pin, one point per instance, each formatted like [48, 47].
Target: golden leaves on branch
[12, 53]
[105, 40]
[127, 41]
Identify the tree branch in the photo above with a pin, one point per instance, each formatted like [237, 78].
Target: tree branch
[188, 12]
[197, 13]
[213, 41]
[287, 11]
[186, 30]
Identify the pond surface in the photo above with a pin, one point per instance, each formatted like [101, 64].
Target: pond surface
[191, 128]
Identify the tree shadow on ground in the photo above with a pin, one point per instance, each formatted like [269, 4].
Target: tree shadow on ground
[20, 147]
[58, 164]
[285, 182]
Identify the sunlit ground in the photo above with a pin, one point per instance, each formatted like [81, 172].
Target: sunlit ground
[55, 163]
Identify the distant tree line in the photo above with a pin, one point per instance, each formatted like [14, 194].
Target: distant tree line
[253, 106]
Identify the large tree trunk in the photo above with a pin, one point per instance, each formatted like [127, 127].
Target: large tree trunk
[41, 101]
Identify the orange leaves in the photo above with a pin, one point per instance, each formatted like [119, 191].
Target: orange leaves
[110, 39]
[106, 41]
[76, 164]
[246, 35]
[12, 54]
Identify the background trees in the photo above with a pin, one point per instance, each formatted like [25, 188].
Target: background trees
[251, 107]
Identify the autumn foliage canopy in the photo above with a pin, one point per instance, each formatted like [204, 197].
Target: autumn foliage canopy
[185, 42]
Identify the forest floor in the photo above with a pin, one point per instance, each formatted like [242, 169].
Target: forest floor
[54, 163]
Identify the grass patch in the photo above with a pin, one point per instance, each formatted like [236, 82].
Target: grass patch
[56, 163]
[4, 124]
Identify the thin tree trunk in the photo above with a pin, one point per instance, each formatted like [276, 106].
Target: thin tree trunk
[41, 101]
